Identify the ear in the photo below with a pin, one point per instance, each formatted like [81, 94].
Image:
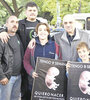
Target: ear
[88, 52]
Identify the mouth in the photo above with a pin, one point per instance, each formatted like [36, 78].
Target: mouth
[32, 15]
[14, 27]
[83, 56]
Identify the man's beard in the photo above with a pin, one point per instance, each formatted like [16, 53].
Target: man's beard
[13, 30]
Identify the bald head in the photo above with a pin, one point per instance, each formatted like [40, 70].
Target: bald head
[69, 24]
[68, 17]
[10, 17]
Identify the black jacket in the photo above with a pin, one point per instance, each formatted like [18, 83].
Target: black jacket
[22, 32]
[7, 59]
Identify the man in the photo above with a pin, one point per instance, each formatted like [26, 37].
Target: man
[11, 55]
[69, 39]
[27, 26]
[25, 31]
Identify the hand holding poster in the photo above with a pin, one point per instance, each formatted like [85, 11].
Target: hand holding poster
[51, 81]
[79, 81]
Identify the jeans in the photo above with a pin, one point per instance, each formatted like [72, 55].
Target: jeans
[11, 91]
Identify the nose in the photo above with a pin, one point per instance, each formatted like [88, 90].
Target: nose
[68, 24]
[81, 53]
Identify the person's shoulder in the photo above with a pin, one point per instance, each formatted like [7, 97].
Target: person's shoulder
[22, 21]
[83, 31]
[59, 34]
[38, 20]
[79, 60]
[17, 36]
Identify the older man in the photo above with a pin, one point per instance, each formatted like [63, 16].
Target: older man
[69, 39]
[11, 55]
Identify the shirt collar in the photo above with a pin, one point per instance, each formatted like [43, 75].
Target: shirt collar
[70, 38]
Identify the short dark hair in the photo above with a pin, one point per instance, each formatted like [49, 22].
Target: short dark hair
[31, 4]
[48, 29]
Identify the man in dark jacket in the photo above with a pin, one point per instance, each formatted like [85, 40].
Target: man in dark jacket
[27, 26]
[25, 31]
[11, 55]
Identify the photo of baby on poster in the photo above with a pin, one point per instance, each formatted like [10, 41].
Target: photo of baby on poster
[51, 81]
[79, 81]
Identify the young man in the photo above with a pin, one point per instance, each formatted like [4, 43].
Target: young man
[83, 53]
[11, 56]
[27, 26]
[26, 31]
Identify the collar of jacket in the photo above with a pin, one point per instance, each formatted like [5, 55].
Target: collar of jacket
[24, 21]
[77, 36]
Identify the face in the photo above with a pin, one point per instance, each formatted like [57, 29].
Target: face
[69, 24]
[12, 24]
[31, 13]
[42, 32]
[83, 53]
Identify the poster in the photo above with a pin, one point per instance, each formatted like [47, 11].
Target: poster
[79, 82]
[51, 81]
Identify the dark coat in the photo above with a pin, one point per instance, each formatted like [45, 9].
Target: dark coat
[22, 32]
[7, 59]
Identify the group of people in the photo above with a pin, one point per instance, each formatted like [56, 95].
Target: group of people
[18, 53]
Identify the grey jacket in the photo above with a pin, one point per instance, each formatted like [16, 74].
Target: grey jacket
[68, 51]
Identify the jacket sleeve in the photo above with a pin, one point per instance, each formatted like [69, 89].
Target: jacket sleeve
[2, 74]
[27, 65]
[58, 52]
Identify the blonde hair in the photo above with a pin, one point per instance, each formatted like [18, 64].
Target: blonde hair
[82, 45]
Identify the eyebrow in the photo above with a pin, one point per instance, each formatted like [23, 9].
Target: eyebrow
[68, 22]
